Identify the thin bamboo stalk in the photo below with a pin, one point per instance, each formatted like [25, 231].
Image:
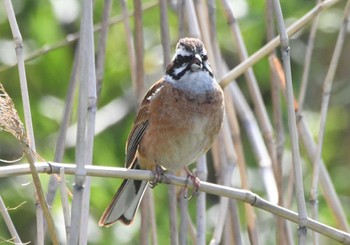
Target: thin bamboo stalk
[235, 218]
[165, 40]
[28, 144]
[181, 17]
[165, 33]
[282, 229]
[9, 223]
[201, 221]
[65, 203]
[101, 48]
[214, 189]
[193, 25]
[327, 86]
[325, 180]
[61, 138]
[184, 220]
[256, 140]
[86, 124]
[307, 60]
[129, 42]
[255, 94]
[70, 38]
[299, 184]
[270, 46]
[139, 51]
[224, 167]
[236, 137]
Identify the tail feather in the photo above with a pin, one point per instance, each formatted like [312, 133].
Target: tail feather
[124, 203]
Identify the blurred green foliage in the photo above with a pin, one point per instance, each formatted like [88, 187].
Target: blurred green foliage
[48, 77]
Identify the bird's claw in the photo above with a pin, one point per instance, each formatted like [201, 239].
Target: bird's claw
[196, 184]
[158, 176]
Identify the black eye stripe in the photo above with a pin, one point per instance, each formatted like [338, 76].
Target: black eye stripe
[183, 59]
[180, 59]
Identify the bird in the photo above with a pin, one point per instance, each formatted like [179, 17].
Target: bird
[177, 122]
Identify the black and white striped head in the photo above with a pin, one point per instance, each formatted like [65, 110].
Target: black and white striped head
[190, 60]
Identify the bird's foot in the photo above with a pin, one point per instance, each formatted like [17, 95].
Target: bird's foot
[196, 184]
[158, 176]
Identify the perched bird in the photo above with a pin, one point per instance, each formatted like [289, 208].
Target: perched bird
[177, 122]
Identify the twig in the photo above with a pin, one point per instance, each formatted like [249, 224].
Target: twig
[214, 189]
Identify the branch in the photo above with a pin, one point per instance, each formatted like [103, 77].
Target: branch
[214, 189]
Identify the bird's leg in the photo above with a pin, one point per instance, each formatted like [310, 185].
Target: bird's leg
[158, 176]
[196, 184]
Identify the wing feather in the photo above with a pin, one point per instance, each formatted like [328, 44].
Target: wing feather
[140, 124]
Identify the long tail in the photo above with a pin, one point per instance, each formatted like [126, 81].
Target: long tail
[124, 203]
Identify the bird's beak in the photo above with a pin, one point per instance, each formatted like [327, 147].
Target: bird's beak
[196, 63]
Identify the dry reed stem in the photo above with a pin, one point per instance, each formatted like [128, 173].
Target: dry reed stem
[307, 60]
[61, 138]
[270, 46]
[253, 87]
[184, 221]
[283, 231]
[214, 189]
[65, 203]
[86, 125]
[75, 37]
[299, 184]
[327, 86]
[101, 48]
[201, 221]
[329, 192]
[139, 51]
[165, 40]
[28, 142]
[255, 139]
[129, 42]
[225, 163]
[9, 223]
[236, 136]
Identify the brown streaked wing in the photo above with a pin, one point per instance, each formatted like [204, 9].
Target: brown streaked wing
[140, 125]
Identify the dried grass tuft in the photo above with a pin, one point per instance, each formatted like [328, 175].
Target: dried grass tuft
[9, 119]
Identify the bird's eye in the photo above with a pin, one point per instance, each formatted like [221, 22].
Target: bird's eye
[204, 57]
